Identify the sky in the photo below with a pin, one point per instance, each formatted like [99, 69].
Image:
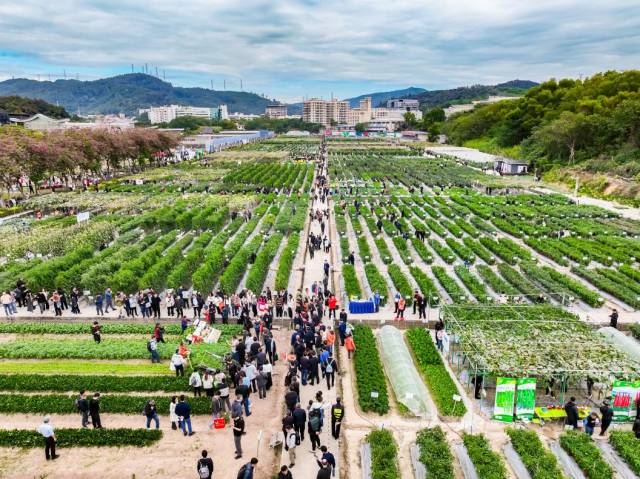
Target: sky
[290, 49]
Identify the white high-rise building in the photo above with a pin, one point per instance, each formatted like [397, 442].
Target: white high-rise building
[164, 114]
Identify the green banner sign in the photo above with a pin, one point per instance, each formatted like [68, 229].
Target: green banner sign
[625, 394]
[526, 399]
[505, 396]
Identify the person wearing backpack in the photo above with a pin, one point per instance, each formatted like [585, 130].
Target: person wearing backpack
[205, 466]
[195, 381]
[314, 428]
[82, 405]
[330, 371]
[291, 442]
[152, 347]
[246, 471]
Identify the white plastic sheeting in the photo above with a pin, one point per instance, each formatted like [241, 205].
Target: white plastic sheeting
[405, 380]
[622, 342]
[619, 466]
[419, 471]
[365, 454]
[514, 460]
[568, 464]
[468, 469]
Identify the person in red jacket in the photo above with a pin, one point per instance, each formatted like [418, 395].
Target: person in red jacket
[333, 305]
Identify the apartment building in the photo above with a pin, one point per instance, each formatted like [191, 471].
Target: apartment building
[276, 112]
[164, 114]
[325, 112]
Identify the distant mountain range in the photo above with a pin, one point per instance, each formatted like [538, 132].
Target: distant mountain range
[445, 98]
[127, 93]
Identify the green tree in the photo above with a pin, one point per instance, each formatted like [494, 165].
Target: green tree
[410, 120]
[361, 127]
[563, 136]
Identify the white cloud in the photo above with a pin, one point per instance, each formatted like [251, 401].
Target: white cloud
[272, 43]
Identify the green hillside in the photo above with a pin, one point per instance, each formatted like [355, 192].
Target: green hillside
[128, 93]
[16, 105]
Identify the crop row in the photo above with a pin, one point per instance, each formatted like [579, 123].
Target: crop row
[473, 284]
[369, 372]
[435, 454]
[581, 447]
[286, 261]
[449, 284]
[67, 382]
[384, 450]
[109, 403]
[488, 464]
[72, 437]
[538, 460]
[434, 373]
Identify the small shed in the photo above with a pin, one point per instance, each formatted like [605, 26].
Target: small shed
[508, 166]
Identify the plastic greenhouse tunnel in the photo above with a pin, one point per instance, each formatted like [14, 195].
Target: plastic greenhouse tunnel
[622, 342]
[405, 380]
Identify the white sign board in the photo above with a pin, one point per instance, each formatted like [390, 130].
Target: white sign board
[84, 216]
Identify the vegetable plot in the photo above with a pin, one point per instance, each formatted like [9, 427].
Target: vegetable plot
[435, 453]
[369, 372]
[581, 447]
[384, 450]
[487, 463]
[71, 437]
[538, 460]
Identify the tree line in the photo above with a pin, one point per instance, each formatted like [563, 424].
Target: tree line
[34, 155]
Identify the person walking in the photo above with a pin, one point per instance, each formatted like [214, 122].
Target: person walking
[183, 410]
[108, 300]
[47, 431]
[96, 332]
[402, 305]
[328, 458]
[606, 417]
[238, 432]
[205, 466]
[571, 411]
[151, 412]
[178, 363]
[261, 381]
[284, 473]
[590, 423]
[247, 470]
[299, 420]
[94, 411]
[350, 344]
[337, 415]
[217, 406]
[173, 417]
[207, 383]
[613, 317]
[99, 302]
[325, 469]
[314, 426]
[330, 371]
[291, 442]
[82, 405]
[152, 347]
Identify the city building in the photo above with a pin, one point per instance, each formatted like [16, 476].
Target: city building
[276, 112]
[404, 104]
[164, 114]
[325, 112]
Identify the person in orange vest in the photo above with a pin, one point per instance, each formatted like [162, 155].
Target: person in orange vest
[402, 305]
[350, 345]
[331, 338]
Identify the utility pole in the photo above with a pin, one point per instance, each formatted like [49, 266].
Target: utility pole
[225, 83]
[164, 75]
[157, 72]
[240, 84]
[212, 84]
[65, 73]
[146, 68]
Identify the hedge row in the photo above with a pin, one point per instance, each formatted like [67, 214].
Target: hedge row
[64, 382]
[260, 268]
[401, 283]
[286, 261]
[68, 437]
[384, 450]
[110, 404]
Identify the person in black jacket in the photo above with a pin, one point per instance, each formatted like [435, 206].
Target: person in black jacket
[205, 464]
[572, 413]
[299, 420]
[83, 406]
[284, 473]
[606, 417]
[94, 411]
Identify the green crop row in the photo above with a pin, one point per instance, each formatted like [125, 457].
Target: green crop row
[65, 382]
[109, 404]
[403, 248]
[473, 284]
[496, 283]
[547, 249]
[523, 285]
[383, 249]
[351, 283]
[449, 284]
[538, 460]
[435, 454]
[235, 270]
[369, 372]
[614, 288]
[461, 250]
[445, 253]
[581, 447]
[84, 328]
[384, 450]
[260, 268]
[401, 283]
[488, 464]
[434, 373]
[376, 281]
[286, 261]
[479, 250]
[427, 286]
[626, 444]
[71, 437]
[422, 250]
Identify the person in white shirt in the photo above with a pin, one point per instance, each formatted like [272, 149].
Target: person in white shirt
[178, 363]
[291, 444]
[49, 435]
[252, 373]
[196, 382]
[173, 417]
[207, 384]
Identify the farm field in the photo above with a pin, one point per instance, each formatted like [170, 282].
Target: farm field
[475, 286]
